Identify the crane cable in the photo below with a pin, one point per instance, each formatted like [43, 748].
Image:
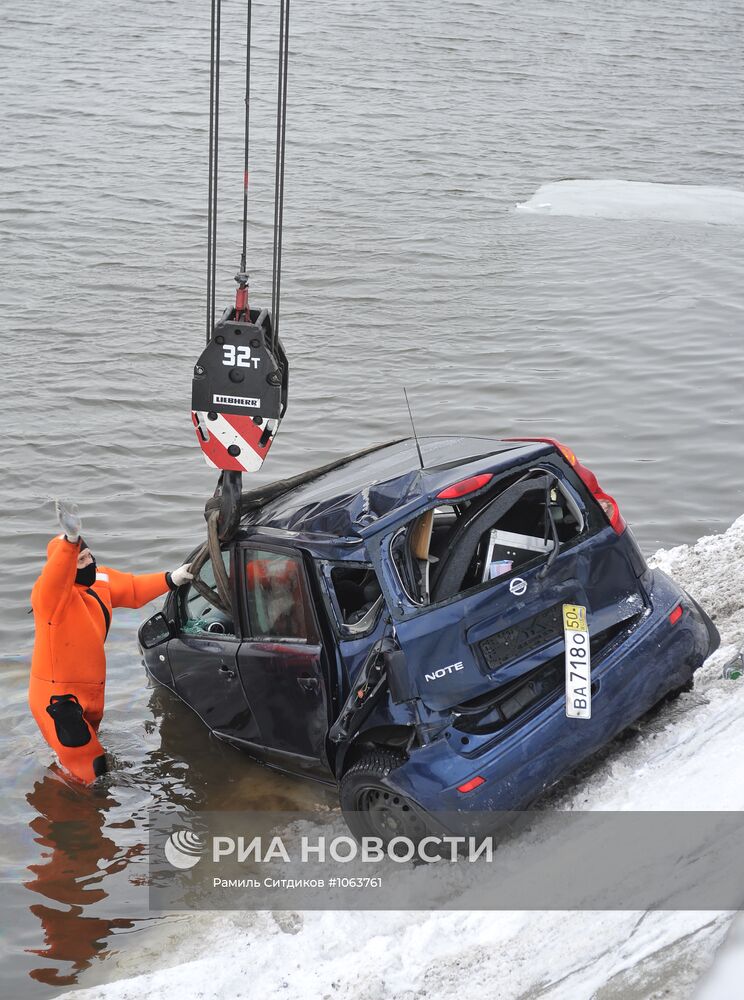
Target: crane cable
[247, 133]
[214, 129]
[281, 129]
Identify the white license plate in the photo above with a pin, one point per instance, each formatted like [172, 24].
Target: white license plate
[578, 662]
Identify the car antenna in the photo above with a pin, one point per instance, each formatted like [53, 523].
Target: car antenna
[415, 435]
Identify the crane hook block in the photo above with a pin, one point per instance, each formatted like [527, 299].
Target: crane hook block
[239, 392]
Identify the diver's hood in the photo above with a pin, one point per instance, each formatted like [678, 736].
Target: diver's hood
[85, 577]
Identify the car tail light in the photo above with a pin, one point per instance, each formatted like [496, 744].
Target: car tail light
[611, 510]
[465, 487]
[471, 785]
[608, 504]
[675, 616]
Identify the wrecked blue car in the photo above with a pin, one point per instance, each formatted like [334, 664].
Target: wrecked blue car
[446, 628]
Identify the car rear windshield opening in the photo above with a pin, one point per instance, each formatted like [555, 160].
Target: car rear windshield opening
[453, 549]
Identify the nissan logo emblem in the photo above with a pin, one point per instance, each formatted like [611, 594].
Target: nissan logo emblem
[518, 586]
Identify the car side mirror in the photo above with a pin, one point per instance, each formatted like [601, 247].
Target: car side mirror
[155, 631]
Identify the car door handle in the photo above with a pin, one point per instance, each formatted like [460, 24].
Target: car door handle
[227, 671]
[308, 683]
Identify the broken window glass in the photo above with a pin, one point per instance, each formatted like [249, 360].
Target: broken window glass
[358, 596]
[198, 614]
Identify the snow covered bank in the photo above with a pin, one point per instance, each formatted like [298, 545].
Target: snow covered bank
[614, 199]
[688, 756]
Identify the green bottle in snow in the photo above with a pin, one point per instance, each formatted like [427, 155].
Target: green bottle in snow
[734, 670]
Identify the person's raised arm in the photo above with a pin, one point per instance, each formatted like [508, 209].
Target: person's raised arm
[52, 590]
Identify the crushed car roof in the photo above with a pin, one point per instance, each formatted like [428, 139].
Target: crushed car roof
[343, 498]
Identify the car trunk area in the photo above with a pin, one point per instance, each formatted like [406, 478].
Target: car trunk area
[477, 586]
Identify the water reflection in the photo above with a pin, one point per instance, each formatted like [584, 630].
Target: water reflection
[172, 764]
[77, 858]
[193, 769]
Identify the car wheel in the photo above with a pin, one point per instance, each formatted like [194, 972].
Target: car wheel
[370, 808]
[675, 693]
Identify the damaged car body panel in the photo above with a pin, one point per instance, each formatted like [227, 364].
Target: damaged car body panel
[484, 624]
[399, 629]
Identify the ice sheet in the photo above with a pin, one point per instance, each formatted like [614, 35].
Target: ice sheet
[617, 199]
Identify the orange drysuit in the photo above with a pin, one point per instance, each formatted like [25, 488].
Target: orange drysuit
[68, 669]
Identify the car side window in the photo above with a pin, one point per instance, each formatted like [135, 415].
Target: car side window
[358, 597]
[279, 605]
[198, 614]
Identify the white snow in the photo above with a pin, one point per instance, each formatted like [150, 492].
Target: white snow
[687, 757]
[616, 199]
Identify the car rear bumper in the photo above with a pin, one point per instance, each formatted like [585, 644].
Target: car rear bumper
[657, 657]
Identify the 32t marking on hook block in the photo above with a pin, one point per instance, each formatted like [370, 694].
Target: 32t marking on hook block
[238, 357]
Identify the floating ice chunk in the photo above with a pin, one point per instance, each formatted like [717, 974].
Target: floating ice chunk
[613, 199]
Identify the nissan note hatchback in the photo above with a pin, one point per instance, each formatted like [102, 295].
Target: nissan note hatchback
[445, 633]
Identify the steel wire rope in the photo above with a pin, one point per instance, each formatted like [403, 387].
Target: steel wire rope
[214, 129]
[281, 129]
[247, 133]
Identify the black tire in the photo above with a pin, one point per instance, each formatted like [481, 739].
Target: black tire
[675, 693]
[370, 808]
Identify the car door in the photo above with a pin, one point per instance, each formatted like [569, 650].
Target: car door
[281, 662]
[203, 660]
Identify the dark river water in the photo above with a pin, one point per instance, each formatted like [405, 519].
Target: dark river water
[414, 129]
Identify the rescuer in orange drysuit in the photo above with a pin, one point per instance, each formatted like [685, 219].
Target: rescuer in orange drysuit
[72, 602]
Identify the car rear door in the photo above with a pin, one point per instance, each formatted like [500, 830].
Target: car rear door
[281, 659]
